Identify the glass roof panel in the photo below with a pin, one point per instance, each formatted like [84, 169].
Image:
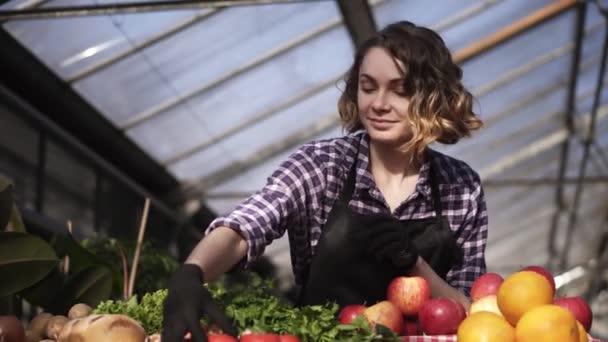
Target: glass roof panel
[518, 51]
[197, 57]
[487, 22]
[256, 137]
[106, 36]
[261, 88]
[417, 11]
[18, 4]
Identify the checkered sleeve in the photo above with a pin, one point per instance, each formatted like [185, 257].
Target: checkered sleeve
[472, 238]
[282, 202]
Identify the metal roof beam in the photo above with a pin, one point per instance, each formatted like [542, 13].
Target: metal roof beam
[499, 183]
[569, 126]
[358, 18]
[589, 138]
[130, 7]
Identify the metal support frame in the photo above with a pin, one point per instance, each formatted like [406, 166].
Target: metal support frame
[523, 25]
[28, 79]
[41, 171]
[97, 205]
[131, 7]
[589, 138]
[569, 125]
[499, 183]
[358, 19]
[39, 120]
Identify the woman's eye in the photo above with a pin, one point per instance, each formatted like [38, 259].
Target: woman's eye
[367, 90]
[400, 91]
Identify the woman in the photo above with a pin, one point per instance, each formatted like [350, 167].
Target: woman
[366, 207]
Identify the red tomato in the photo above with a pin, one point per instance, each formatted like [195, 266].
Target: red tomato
[260, 338]
[289, 338]
[221, 338]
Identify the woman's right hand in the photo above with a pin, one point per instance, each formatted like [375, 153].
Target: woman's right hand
[187, 301]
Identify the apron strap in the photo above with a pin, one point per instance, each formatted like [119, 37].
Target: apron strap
[435, 194]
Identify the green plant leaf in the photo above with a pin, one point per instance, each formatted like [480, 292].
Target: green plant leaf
[4, 182]
[90, 286]
[45, 292]
[15, 224]
[80, 257]
[24, 260]
[6, 206]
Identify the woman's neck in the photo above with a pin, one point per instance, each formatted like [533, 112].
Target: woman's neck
[390, 163]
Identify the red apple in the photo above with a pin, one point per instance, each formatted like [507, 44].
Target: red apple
[11, 329]
[462, 312]
[487, 303]
[486, 285]
[260, 337]
[440, 317]
[411, 328]
[349, 312]
[409, 294]
[288, 338]
[544, 272]
[385, 313]
[579, 308]
[221, 338]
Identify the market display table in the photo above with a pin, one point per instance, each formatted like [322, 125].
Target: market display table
[452, 338]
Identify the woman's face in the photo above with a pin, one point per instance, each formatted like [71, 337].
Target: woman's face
[381, 98]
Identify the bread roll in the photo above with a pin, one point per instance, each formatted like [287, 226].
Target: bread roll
[103, 328]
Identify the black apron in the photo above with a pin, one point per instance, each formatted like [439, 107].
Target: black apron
[340, 271]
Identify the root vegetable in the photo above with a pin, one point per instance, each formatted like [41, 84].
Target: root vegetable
[79, 310]
[55, 325]
[102, 328]
[30, 336]
[39, 323]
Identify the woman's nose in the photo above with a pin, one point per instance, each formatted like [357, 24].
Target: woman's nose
[381, 102]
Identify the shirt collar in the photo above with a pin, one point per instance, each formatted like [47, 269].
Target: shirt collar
[365, 180]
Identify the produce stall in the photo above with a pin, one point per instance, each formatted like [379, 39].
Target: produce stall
[256, 310]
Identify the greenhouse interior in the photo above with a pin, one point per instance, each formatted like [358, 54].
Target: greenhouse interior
[130, 127]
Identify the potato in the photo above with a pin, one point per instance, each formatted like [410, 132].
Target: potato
[30, 336]
[79, 310]
[39, 323]
[103, 328]
[153, 338]
[55, 325]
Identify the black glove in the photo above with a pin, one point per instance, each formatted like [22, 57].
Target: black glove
[386, 240]
[186, 302]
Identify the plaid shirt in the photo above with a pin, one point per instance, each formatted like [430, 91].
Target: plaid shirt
[300, 194]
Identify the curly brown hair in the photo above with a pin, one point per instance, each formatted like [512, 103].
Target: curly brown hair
[440, 109]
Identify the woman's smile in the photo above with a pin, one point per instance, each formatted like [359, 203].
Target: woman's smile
[380, 123]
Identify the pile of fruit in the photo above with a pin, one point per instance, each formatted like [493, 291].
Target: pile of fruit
[523, 308]
[520, 308]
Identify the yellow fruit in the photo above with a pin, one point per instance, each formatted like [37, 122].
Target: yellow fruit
[485, 326]
[547, 323]
[582, 333]
[487, 303]
[522, 291]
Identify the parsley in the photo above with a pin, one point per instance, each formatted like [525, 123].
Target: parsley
[254, 306]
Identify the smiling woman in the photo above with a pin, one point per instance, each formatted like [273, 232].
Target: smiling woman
[367, 207]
